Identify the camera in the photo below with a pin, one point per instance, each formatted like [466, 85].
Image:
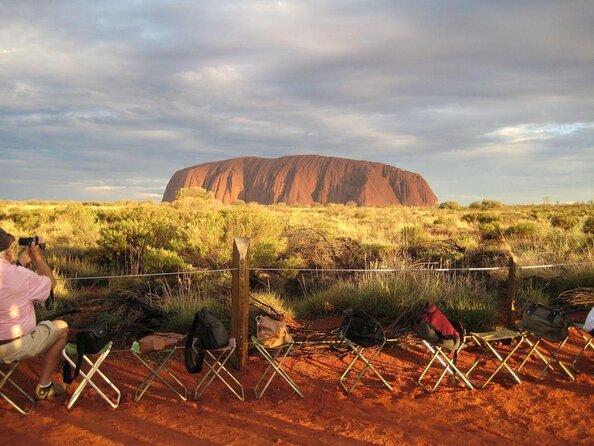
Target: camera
[30, 241]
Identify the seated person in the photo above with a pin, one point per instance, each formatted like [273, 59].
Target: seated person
[20, 335]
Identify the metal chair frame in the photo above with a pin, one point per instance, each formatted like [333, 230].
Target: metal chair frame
[215, 360]
[6, 379]
[485, 342]
[156, 364]
[367, 364]
[448, 364]
[89, 374]
[553, 354]
[275, 356]
[589, 343]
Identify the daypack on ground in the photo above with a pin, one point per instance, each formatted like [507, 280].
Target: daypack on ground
[89, 340]
[206, 333]
[545, 322]
[361, 328]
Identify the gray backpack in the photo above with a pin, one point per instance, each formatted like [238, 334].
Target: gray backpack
[544, 322]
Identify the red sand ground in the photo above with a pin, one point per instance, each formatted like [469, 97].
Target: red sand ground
[550, 411]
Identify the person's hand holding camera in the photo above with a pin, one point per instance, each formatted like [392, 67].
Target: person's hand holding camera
[33, 251]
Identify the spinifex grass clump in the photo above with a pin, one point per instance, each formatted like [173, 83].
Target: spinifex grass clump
[401, 296]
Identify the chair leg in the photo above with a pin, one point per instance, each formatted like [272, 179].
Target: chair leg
[216, 366]
[94, 369]
[502, 362]
[448, 365]
[7, 380]
[589, 344]
[276, 365]
[554, 357]
[367, 365]
[156, 373]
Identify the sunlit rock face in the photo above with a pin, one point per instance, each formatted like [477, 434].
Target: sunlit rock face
[305, 179]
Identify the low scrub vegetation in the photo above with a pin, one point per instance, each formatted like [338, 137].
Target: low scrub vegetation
[290, 246]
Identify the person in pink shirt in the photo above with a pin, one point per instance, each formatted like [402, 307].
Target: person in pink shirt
[20, 335]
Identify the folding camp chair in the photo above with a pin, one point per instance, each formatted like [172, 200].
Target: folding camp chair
[87, 376]
[442, 356]
[588, 339]
[215, 360]
[545, 327]
[355, 324]
[6, 379]
[155, 362]
[487, 341]
[275, 357]
[535, 341]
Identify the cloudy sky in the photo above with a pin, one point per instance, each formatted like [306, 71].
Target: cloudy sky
[105, 100]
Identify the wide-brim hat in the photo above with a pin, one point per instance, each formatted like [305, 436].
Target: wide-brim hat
[6, 240]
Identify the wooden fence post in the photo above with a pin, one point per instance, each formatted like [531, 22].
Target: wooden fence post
[240, 295]
[511, 293]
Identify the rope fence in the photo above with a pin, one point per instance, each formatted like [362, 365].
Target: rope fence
[323, 270]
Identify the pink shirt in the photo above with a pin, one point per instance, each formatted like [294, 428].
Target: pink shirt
[19, 288]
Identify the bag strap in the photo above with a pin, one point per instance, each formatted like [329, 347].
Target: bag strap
[191, 365]
[80, 350]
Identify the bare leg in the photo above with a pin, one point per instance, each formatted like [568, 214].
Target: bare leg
[53, 354]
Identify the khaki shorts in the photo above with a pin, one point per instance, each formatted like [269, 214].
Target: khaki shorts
[36, 342]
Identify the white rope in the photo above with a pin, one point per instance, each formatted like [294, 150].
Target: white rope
[320, 270]
[150, 275]
[386, 270]
[551, 266]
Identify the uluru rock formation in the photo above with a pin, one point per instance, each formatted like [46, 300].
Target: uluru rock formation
[304, 179]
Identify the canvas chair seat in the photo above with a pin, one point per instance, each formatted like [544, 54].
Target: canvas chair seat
[364, 352]
[25, 407]
[89, 374]
[156, 363]
[216, 360]
[446, 360]
[275, 357]
[487, 342]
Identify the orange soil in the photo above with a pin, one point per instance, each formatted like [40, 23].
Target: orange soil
[550, 411]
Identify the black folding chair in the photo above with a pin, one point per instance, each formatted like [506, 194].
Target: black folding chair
[365, 338]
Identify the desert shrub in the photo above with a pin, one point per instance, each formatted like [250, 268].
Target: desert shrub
[479, 217]
[271, 302]
[263, 228]
[179, 301]
[565, 222]
[413, 234]
[491, 230]
[486, 204]
[488, 218]
[400, 297]
[588, 227]
[522, 230]
[157, 260]
[491, 204]
[453, 205]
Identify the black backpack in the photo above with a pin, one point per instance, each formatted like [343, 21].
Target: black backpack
[89, 340]
[206, 333]
[361, 329]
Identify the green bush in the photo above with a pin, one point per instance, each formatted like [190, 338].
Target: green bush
[565, 222]
[588, 227]
[453, 205]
